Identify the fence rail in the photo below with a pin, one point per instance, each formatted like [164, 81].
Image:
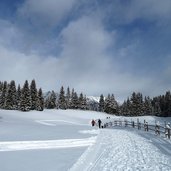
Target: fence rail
[157, 128]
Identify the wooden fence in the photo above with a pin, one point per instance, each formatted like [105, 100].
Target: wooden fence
[157, 128]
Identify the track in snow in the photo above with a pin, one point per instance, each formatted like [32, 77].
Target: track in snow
[122, 150]
[49, 144]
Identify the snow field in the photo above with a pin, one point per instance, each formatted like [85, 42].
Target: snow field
[64, 140]
[120, 150]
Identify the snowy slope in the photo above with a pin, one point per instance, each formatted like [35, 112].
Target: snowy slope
[63, 140]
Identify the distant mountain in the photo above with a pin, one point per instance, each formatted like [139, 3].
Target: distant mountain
[93, 103]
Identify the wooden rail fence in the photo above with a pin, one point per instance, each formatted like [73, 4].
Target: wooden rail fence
[157, 128]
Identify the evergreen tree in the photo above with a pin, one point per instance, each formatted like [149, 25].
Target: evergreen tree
[40, 101]
[3, 95]
[136, 107]
[74, 101]
[25, 103]
[18, 96]
[61, 101]
[82, 102]
[107, 104]
[113, 105]
[167, 111]
[68, 98]
[147, 106]
[11, 98]
[34, 95]
[101, 103]
[51, 101]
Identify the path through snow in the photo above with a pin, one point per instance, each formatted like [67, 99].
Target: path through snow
[49, 144]
[122, 150]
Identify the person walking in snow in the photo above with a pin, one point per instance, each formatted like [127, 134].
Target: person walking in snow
[167, 130]
[93, 122]
[99, 123]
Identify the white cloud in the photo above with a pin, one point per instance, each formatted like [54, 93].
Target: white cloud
[45, 12]
[151, 10]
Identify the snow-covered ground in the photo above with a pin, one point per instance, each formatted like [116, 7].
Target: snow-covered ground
[64, 140]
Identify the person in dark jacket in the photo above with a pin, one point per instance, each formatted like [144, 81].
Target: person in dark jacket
[93, 122]
[99, 123]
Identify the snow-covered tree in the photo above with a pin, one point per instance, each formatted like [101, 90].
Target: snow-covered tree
[25, 103]
[107, 104]
[40, 101]
[101, 103]
[51, 101]
[68, 98]
[74, 101]
[3, 94]
[113, 105]
[61, 100]
[18, 94]
[11, 97]
[147, 106]
[33, 95]
[82, 102]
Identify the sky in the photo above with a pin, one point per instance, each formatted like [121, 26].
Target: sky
[94, 46]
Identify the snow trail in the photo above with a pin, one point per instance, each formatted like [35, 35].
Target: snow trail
[49, 144]
[122, 150]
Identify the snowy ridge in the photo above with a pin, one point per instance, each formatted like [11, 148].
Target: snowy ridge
[93, 99]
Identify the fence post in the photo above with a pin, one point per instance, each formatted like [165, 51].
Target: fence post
[125, 123]
[169, 133]
[138, 123]
[133, 124]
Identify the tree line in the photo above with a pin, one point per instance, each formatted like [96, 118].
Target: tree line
[25, 99]
[30, 98]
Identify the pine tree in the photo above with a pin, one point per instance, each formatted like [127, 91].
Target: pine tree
[113, 106]
[107, 104]
[147, 106]
[11, 98]
[68, 98]
[34, 95]
[51, 101]
[74, 101]
[82, 102]
[101, 103]
[18, 96]
[136, 107]
[25, 103]
[61, 100]
[167, 111]
[40, 101]
[3, 95]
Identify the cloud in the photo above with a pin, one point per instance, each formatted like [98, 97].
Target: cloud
[84, 53]
[126, 12]
[45, 13]
[84, 63]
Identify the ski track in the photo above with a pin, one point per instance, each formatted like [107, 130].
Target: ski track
[122, 150]
[49, 144]
[52, 122]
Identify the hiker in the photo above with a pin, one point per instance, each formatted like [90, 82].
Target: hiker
[93, 122]
[99, 123]
[146, 126]
[157, 128]
[167, 130]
